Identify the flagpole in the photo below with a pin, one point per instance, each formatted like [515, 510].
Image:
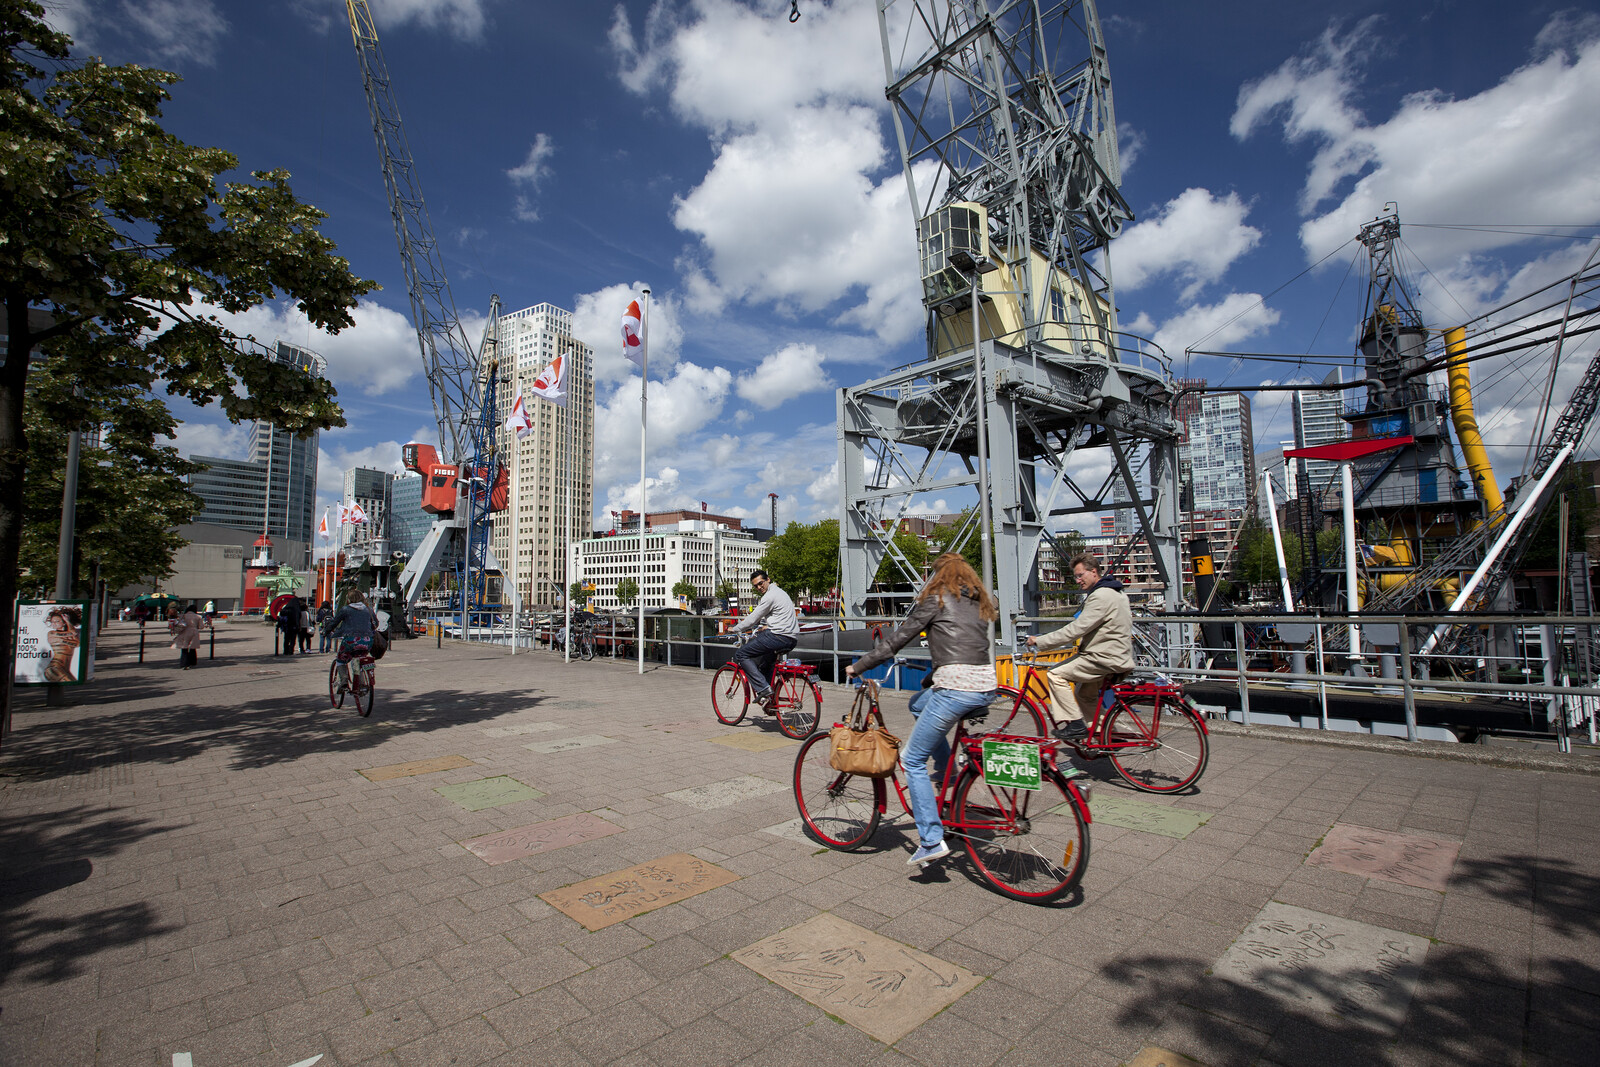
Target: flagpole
[644, 423]
[515, 443]
[566, 542]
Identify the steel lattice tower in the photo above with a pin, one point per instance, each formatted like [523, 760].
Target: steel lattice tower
[1008, 139]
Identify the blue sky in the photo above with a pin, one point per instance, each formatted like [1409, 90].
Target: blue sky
[744, 168]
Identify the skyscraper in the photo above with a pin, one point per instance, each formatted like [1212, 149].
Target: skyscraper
[274, 491]
[1318, 420]
[371, 489]
[1220, 452]
[408, 523]
[557, 456]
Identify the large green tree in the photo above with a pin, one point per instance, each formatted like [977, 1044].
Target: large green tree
[125, 243]
[915, 551]
[627, 592]
[805, 557]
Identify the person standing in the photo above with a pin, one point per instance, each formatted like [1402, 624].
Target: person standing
[758, 657]
[1103, 630]
[955, 611]
[325, 626]
[186, 638]
[307, 623]
[288, 626]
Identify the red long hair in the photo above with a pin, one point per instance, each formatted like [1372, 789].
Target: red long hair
[954, 575]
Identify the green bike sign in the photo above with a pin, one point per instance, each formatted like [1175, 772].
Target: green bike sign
[1011, 765]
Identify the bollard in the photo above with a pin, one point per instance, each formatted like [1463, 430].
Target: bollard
[141, 642]
[438, 634]
[213, 654]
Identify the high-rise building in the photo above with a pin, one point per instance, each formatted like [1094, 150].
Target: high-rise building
[1219, 450]
[275, 490]
[552, 468]
[371, 489]
[1318, 420]
[408, 523]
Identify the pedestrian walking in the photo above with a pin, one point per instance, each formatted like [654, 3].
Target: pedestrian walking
[186, 638]
[307, 624]
[288, 626]
[324, 626]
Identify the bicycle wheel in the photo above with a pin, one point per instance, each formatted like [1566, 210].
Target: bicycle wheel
[839, 810]
[335, 691]
[1030, 845]
[730, 694]
[1014, 712]
[586, 647]
[366, 693]
[797, 710]
[1156, 744]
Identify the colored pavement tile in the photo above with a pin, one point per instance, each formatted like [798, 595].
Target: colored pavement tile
[567, 744]
[539, 837]
[421, 766]
[1113, 810]
[488, 793]
[1409, 859]
[721, 794]
[879, 986]
[612, 898]
[753, 742]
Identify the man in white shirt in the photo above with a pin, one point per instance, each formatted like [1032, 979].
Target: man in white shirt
[758, 656]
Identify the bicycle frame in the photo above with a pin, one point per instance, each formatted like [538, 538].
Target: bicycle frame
[1034, 687]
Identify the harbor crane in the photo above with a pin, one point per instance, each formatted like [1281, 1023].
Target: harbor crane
[466, 485]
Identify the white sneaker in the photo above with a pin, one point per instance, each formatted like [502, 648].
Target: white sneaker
[927, 854]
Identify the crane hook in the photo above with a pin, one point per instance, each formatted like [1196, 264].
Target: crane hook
[794, 10]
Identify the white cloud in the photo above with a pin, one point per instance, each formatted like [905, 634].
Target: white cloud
[174, 31]
[333, 460]
[377, 355]
[679, 407]
[530, 174]
[1529, 140]
[1227, 322]
[597, 322]
[787, 373]
[1195, 236]
[223, 440]
[461, 18]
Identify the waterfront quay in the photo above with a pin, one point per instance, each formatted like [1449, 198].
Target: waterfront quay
[521, 861]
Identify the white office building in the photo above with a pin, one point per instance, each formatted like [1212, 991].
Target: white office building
[1219, 452]
[1318, 420]
[705, 554]
[552, 469]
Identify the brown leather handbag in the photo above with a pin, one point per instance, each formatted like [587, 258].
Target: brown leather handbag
[860, 744]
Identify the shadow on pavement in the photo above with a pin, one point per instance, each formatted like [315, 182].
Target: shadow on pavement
[51, 852]
[1563, 896]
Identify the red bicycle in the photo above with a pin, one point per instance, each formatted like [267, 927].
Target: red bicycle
[799, 697]
[1028, 839]
[362, 683]
[1153, 736]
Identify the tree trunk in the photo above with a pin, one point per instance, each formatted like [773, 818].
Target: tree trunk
[13, 474]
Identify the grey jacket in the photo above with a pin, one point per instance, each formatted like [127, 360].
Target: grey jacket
[956, 633]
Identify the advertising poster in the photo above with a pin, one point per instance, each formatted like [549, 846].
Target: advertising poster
[55, 643]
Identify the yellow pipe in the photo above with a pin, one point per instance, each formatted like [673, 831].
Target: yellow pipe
[1466, 421]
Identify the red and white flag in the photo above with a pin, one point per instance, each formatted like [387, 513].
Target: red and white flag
[633, 335]
[322, 528]
[519, 422]
[356, 516]
[552, 382]
[344, 513]
[704, 507]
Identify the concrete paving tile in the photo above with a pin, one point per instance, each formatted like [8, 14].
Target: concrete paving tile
[706, 1042]
[253, 998]
[465, 998]
[689, 996]
[948, 1039]
[603, 1038]
[674, 956]
[312, 1015]
[1004, 1009]
[472, 1041]
[542, 967]
[768, 1013]
[602, 986]
[403, 984]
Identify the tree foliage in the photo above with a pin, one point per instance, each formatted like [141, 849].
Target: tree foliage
[579, 594]
[915, 551]
[131, 243]
[804, 558]
[685, 588]
[1255, 557]
[627, 592]
[1544, 545]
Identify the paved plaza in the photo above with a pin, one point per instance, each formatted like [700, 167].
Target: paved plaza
[521, 861]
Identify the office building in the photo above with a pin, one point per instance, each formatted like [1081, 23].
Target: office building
[408, 523]
[1219, 452]
[1318, 420]
[551, 470]
[701, 552]
[274, 490]
[371, 490]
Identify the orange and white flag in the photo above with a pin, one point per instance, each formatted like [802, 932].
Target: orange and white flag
[551, 383]
[633, 334]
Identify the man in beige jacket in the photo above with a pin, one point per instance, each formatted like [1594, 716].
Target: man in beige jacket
[1103, 630]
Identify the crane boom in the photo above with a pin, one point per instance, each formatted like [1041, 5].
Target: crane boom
[447, 357]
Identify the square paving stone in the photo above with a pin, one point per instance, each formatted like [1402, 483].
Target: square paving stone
[488, 792]
[1153, 1056]
[612, 898]
[566, 744]
[753, 742]
[421, 766]
[521, 728]
[789, 831]
[1114, 810]
[721, 794]
[539, 837]
[1410, 859]
[672, 727]
[881, 987]
[1359, 972]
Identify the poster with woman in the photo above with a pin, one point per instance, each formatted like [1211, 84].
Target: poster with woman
[55, 644]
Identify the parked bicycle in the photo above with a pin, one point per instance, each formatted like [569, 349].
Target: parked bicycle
[1023, 823]
[1153, 736]
[361, 683]
[799, 697]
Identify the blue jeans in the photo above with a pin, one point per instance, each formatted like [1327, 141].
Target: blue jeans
[757, 656]
[937, 711]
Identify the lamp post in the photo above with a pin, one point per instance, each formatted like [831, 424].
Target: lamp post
[55, 695]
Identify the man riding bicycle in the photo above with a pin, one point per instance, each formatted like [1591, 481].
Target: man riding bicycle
[1103, 629]
[353, 627]
[758, 657]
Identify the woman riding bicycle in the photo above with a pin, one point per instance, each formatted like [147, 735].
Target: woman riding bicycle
[353, 627]
[955, 610]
